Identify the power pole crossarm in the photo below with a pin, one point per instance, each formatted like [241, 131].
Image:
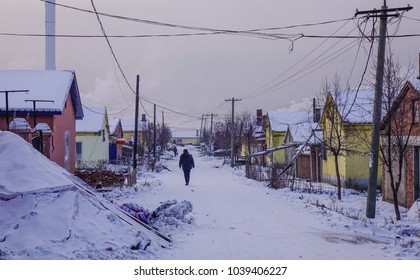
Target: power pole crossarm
[34, 101]
[6, 92]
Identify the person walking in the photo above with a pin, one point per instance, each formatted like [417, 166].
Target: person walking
[186, 162]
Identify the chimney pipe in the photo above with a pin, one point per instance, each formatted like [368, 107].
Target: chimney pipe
[50, 35]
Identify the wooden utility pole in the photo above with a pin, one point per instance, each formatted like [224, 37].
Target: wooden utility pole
[136, 132]
[154, 130]
[201, 127]
[211, 129]
[163, 131]
[376, 121]
[232, 133]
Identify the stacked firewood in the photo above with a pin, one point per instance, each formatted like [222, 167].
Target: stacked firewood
[101, 178]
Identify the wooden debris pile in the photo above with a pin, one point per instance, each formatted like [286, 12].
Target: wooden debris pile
[101, 178]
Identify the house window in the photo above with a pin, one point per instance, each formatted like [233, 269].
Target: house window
[415, 111]
[78, 150]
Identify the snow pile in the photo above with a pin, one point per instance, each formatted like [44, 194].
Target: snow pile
[173, 213]
[414, 212]
[41, 219]
[25, 170]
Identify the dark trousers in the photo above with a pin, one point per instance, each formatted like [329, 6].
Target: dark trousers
[187, 175]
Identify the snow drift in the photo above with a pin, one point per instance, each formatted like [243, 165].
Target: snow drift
[48, 214]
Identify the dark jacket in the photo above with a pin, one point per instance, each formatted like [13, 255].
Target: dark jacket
[186, 161]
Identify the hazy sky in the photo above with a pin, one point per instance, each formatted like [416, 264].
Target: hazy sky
[187, 76]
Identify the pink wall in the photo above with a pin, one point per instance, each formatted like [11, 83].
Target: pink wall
[58, 124]
[63, 122]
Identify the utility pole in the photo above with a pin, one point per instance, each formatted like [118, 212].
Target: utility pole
[154, 130]
[211, 129]
[232, 133]
[136, 131]
[163, 130]
[201, 127]
[418, 77]
[6, 92]
[376, 121]
[211, 126]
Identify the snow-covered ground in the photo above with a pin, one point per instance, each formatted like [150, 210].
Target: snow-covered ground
[48, 214]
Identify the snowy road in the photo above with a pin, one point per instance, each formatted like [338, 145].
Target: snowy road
[236, 219]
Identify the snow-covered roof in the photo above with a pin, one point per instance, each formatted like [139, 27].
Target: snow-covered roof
[279, 120]
[302, 132]
[51, 85]
[93, 120]
[356, 107]
[113, 123]
[184, 133]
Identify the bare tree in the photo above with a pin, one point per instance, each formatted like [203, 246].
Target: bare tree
[341, 137]
[248, 126]
[396, 129]
[222, 132]
[163, 136]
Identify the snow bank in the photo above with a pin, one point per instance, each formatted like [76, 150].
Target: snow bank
[24, 169]
[47, 213]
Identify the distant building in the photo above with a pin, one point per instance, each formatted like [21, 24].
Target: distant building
[186, 137]
[92, 137]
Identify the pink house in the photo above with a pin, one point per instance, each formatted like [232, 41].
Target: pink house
[54, 95]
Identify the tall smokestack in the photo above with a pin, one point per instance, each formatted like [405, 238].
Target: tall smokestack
[50, 35]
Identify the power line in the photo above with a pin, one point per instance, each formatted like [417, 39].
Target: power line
[307, 67]
[110, 46]
[294, 65]
[291, 36]
[209, 31]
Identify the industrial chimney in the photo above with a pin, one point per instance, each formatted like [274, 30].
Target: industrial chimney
[50, 35]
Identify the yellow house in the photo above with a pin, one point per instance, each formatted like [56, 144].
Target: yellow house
[346, 124]
[92, 137]
[276, 128]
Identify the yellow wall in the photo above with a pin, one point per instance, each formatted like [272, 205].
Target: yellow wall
[275, 139]
[354, 167]
[186, 140]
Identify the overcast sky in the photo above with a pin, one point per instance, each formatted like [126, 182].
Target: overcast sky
[187, 76]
